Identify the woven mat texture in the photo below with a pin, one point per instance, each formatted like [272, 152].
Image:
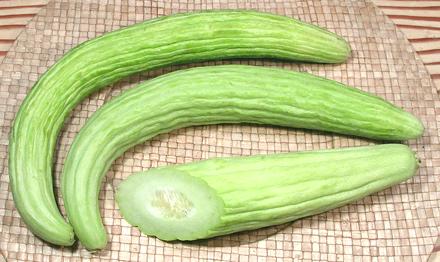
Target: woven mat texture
[401, 222]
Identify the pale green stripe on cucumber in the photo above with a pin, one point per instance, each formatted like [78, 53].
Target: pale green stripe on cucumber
[212, 95]
[94, 64]
[226, 195]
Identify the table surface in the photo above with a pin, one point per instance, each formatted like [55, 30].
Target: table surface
[419, 20]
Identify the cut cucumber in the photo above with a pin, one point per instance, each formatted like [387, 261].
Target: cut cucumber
[225, 195]
[171, 203]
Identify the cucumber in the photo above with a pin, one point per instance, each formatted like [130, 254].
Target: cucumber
[94, 64]
[169, 203]
[212, 95]
[226, 195]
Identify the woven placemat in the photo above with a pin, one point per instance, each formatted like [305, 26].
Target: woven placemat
[401, 222]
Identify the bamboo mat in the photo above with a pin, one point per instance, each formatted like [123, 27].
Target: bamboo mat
[401, 222]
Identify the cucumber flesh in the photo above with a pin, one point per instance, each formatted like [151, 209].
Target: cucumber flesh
[226, 195]
[170, 204]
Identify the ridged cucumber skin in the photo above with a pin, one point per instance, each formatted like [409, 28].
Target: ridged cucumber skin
[265, 190]
[101, 61]
[212, 95]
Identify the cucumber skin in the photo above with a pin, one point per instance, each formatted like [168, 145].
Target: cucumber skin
[281, 188]
[212, 95]
[101, 61]
[265, 190]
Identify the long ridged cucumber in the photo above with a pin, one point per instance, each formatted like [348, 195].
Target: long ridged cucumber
[210, 95]
[101, 61]
[226, 195]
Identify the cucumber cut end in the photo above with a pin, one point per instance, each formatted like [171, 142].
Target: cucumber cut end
[169, 204]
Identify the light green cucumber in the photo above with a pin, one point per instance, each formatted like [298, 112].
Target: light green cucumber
[226, 195]
[96, 63]
[212, 95]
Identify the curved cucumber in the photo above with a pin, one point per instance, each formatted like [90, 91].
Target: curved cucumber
[211, 95]
[226, 195]
[101, 61]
